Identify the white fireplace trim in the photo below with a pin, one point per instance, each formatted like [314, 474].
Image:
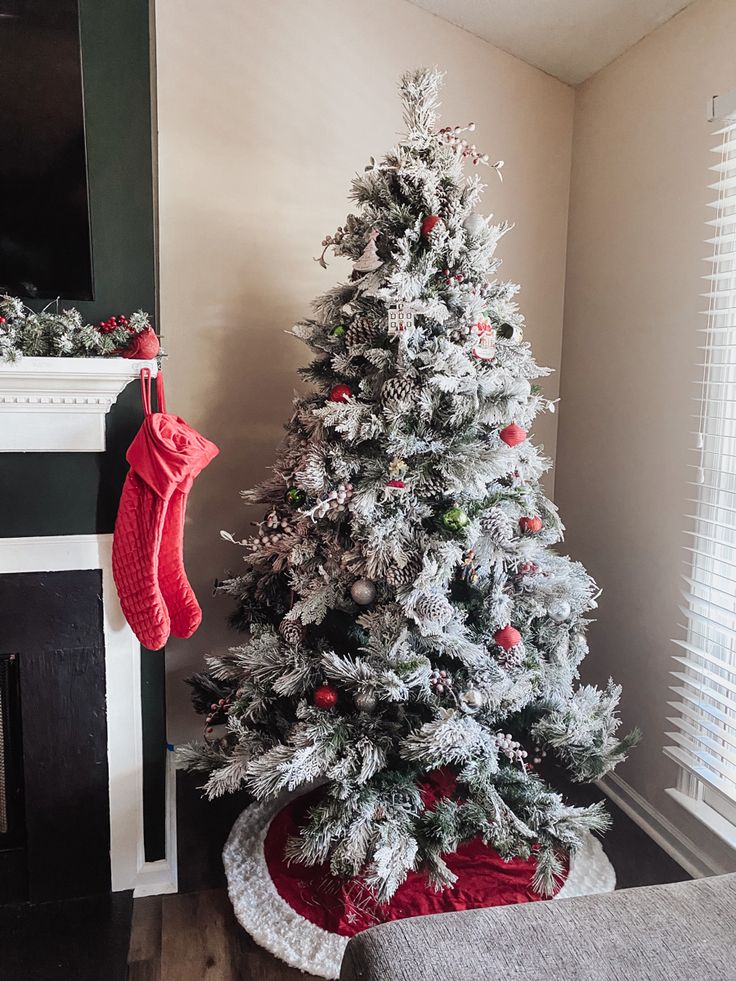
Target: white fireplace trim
[58, 553]
[50, 405]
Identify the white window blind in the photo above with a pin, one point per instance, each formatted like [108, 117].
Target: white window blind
[703, 736]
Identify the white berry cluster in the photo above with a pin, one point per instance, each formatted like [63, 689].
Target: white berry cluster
[439, 681]
[510, 747]
[336, 500]
[452, 136]
[272, 531]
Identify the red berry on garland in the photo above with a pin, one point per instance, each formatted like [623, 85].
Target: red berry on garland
[507, 637]
[2, 320]
[340, 393]
[531, 525]
[429, 224]
[512, 435]
[325, 697]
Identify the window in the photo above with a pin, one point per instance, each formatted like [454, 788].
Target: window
[703, 740]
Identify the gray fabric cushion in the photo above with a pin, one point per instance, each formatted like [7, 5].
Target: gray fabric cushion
[680, 932]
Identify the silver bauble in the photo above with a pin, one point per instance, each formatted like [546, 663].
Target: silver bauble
[474, 224]
[363, 591]
[471, 701]
[559, 610]
[365, 701]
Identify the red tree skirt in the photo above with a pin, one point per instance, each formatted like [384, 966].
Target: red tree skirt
[305, 915]
[346, 906]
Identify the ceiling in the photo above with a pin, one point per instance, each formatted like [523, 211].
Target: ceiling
[570, 39]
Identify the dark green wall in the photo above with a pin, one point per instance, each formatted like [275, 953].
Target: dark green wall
[78, 493]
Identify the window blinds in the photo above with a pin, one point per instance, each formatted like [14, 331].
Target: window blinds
[703, 740]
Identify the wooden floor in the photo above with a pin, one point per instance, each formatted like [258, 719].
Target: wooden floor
[194, 937]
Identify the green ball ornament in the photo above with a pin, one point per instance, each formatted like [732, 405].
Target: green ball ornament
[455, 519]
[295, 497]
[338, 331]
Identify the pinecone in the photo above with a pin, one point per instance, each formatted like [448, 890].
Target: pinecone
[399, 389]
[513, 658]
[362, 331]
[497, 526]
[292, 631]
[431, 484]
[404, 575]
[434, 608]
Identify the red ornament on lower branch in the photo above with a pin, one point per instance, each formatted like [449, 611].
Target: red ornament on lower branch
[340, 393]
[531, 525]
[325, 697]
[507, 637]
[512, 434]
[429, 224]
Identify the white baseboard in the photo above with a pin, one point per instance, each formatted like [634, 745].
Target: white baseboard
[659, 828]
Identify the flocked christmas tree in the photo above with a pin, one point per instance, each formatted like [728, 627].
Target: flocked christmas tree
[405, 608]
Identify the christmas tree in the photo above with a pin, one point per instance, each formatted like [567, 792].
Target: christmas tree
[406, 611]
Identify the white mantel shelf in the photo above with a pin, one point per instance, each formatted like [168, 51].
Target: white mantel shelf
[58, 405]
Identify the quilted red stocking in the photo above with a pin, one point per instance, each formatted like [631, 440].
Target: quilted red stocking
[165, 457]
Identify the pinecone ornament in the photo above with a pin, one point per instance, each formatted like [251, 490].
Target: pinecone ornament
[398, 389]
[403, 575]
[292, 631]
[430, 484]
[497, 526]
[362, 331]
[434, 608]
[513, 658]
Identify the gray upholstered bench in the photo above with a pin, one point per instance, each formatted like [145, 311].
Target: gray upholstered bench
[680, 932]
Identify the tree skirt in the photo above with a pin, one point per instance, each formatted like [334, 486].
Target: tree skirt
[305, 916]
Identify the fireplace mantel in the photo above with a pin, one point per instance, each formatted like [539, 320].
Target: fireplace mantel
[58, 405]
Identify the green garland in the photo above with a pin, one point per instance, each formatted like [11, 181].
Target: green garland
[54, 333]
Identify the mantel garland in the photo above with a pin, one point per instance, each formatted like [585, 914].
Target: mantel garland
[56, 333]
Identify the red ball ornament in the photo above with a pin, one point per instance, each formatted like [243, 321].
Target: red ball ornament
[531, 525]
[2, 320]
[429, 224]
[142, 346]
[325, 697]
[512, 435]
[507, 637]
[340, 393]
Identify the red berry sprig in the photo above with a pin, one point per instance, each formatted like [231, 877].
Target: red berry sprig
[217, 713]
[113, 323]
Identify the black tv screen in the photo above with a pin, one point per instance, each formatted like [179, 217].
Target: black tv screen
[45, 246]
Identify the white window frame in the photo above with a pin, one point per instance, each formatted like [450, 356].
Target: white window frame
[703, 735]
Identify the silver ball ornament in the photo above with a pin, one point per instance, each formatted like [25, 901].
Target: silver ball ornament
[474, 224]
[365, 701]
[363, 591]
[559, 610]
[471, 701]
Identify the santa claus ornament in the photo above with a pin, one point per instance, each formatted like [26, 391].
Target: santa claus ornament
[485, 345]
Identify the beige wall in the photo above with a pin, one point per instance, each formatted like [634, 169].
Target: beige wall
[634, 261]
[265, 111]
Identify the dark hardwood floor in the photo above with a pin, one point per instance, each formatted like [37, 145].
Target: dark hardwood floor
[194, 936]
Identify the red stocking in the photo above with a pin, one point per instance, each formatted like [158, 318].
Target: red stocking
[165, 457]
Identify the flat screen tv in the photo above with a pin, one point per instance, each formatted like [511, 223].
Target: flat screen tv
[45, 248]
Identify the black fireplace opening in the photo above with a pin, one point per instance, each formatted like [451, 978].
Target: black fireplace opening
[54, 782]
